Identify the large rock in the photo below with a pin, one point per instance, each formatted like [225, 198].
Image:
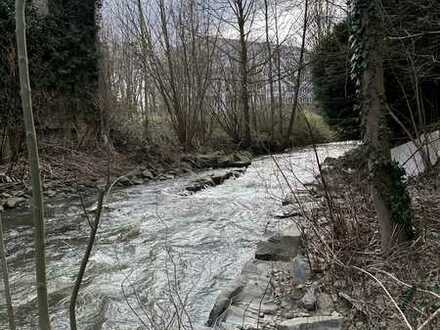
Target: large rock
[214, 179]
[281, 247]
[222, 303]
[234, 160]
[200, 184]
[333, 322]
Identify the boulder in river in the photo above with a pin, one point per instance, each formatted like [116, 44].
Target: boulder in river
[281, 247]
[212, 180]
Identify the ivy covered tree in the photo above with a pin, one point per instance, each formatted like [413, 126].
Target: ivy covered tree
[410, 74]
[388, 191]
[333, 87]
[73, 56]
[64, 70]
[10, 104]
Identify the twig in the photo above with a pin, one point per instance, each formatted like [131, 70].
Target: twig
[388, 294]
[433, 316]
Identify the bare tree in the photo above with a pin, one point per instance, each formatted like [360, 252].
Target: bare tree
[270, 70]
[298, 75]
[377, 136]
[31, 140]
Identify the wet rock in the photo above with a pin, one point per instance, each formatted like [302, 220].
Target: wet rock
[234, 160]
[200, 184]
[281, 247]
[287, 214]
[131, 233]
[13, 202]
[313, 323]
[124, 181]
[138, 181]
[222, 303]
[164, 177]
[213, 180]
[309, 301]
[51, 193]
[146, 174]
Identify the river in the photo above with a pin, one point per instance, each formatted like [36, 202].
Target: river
[158, 249]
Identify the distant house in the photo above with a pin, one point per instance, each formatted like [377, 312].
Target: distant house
[228, 52]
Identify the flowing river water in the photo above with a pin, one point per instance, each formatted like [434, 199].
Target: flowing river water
[157, 249]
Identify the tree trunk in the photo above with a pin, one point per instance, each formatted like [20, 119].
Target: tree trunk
[247, 140]
[270, 73]
[298, 77]
[31, 141]
[377, 134]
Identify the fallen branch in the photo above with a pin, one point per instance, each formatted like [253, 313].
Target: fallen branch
[84, 261]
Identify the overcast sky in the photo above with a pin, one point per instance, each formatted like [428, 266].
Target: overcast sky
[289, 14]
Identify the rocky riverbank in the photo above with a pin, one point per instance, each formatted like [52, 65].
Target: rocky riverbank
[339, 279]
[276, 290]
[80, 175]
[372, 290]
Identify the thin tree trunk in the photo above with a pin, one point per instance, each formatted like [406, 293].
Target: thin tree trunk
[244, 82]
[299, 76]
[5, 274]
[377, 134]
[279, 76]
[31, 140]
[84, 262]
[271, 87]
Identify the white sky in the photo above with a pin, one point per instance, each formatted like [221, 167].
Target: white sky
[289, 15]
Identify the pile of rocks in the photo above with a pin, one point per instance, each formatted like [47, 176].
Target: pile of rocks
[275, 291]
[214, 179]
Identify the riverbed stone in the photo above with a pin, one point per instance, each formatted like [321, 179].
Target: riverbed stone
[124, 181]
[280, 247]
[13, 202]
[223, 302]
[333, 322]
[146, 174]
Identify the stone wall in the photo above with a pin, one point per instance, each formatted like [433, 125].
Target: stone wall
[411, 158]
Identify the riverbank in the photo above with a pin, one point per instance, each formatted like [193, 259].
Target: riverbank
[145, 229]
[331, 273]
[370, 290]
[70, 173]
